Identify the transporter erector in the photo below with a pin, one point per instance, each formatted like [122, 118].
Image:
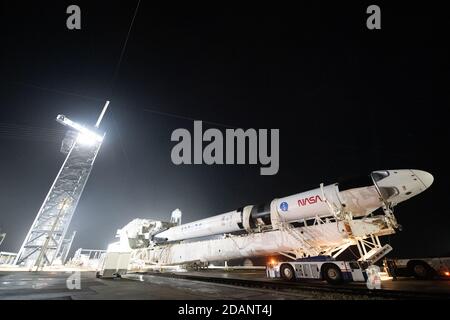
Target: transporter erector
[323, 221]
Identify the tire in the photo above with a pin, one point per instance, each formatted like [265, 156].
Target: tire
[287, 272]
[421, 270]
[332, 274]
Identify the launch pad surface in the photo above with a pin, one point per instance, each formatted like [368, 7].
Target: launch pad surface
[403, 287]
[201, 285]
[52, 286]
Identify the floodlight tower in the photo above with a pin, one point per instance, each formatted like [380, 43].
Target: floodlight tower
[45, 243]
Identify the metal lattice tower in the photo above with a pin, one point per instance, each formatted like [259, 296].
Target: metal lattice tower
[65, 248]
[45, 243]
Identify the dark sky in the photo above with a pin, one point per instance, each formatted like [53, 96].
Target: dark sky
[347, 101]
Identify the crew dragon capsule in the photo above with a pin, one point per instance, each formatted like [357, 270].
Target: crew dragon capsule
[388, 188]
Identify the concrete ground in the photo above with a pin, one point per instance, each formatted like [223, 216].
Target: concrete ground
[401, 284]
[53, 285]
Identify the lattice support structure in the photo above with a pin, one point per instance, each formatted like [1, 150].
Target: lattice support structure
[61, 258]
[45, 242]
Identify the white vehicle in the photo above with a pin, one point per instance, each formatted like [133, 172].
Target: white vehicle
[321, 268]
[114, 265]
[420, 268]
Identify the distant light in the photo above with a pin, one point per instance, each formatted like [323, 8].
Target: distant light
[65, 205]
[85, 135]
[385, 277]
[447, 273]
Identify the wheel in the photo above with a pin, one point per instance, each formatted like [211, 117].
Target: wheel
[421, 270]
[287, 272]
[332, 274]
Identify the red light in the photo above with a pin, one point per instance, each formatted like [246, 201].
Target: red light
[447, 273]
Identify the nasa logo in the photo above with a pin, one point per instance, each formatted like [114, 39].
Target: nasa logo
[284, 206]
[310, 200]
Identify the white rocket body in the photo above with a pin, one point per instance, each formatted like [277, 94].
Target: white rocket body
[392, 186]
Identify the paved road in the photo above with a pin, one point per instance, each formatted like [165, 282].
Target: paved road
[52, 285]
[401, 284]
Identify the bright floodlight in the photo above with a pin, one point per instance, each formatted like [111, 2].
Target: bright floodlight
[85, 136]
[85, 139]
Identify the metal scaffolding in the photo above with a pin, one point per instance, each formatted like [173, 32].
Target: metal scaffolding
[65, 248]
[45, 243]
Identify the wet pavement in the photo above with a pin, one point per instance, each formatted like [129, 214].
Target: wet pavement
[54, 285]
[401, 284]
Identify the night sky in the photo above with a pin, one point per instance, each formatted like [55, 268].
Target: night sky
[347, 101]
